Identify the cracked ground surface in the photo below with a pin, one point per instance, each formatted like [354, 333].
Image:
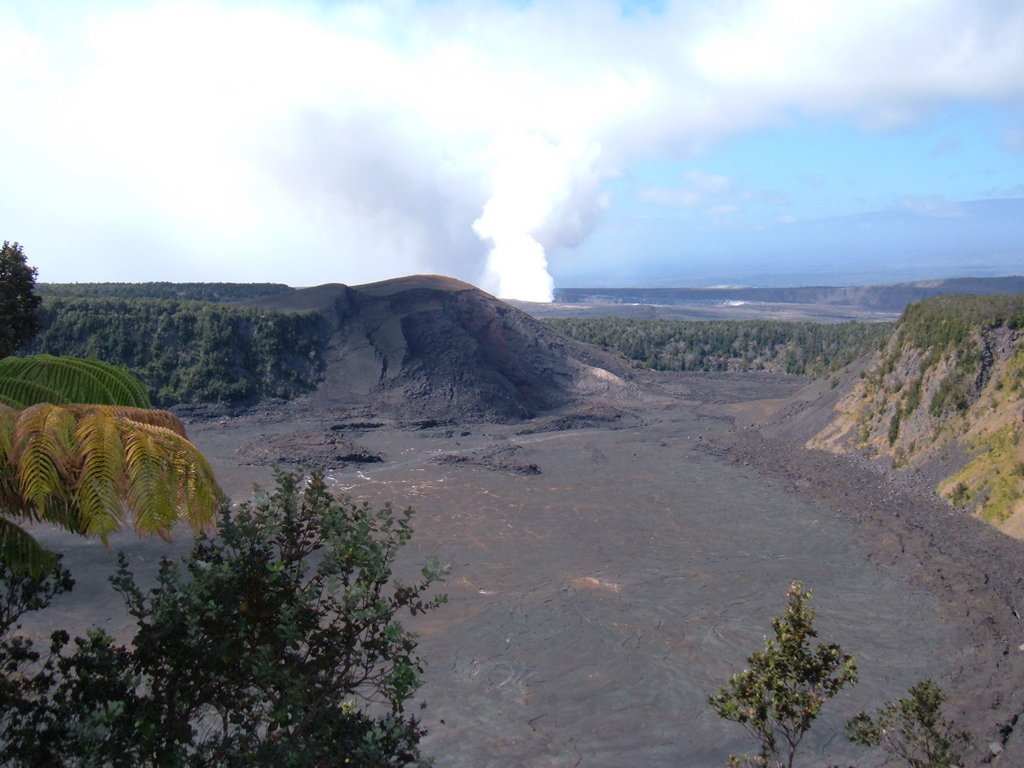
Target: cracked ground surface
[595, 605]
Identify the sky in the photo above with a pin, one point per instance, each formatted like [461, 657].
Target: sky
[517, 146]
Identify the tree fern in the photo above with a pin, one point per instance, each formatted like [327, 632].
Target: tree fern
[26, 381]
[89, 468]
[17, 393]
[17, 546]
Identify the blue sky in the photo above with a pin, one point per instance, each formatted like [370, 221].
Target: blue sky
[822, 173]
[830, 168]
[515, 145]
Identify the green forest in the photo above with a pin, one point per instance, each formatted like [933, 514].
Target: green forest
[946, 323]
[805, 349]
[949, 326]
[189, 351]
[217, 292]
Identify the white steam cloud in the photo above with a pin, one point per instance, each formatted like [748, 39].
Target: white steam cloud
[531, 181]
[355, 141]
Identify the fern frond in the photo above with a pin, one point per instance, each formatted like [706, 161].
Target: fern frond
[152, 418]
[199, 496]
[45, 450]
[12, 501]
[101, 487]
[84, 467]
[150, 475]
[8, 418]
[35, 379]
[20, 553]
[124, 388]
[19, 393]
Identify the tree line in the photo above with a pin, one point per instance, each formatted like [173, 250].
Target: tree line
[188, 351]
[218, 292]
[946, 322]
[804, 349]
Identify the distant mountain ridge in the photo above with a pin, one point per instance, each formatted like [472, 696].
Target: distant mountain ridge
[891, 298]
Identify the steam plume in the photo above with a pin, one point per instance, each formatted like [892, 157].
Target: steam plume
[531, 179]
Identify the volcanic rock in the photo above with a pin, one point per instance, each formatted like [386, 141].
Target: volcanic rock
[428, 347]
[316, 448]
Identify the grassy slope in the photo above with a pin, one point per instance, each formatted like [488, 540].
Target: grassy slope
[949, 383]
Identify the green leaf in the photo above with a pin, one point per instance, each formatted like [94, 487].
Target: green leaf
[23, 554]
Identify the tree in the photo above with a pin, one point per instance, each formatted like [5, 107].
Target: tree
[278, 643]
[781, 693]
[80, 448]
[19, 306]
[912, 728]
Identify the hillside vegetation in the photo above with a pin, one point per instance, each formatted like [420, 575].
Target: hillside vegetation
[217, 292]
[948, 384]
[806, 349]
[188, 351]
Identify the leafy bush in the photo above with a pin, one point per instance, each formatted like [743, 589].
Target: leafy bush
[278, 643]
[912, 728]
[894, 425]
[782, 691]
[913, 396]
[953, 394]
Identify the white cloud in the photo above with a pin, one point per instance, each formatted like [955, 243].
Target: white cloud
[309, 142]
[1017, 190]
[932, 206]
[723, 210]
[712, 193]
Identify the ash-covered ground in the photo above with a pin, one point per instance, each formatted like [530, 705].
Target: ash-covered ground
[612, 566]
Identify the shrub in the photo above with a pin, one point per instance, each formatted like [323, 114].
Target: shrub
[952, 394]
[912, 729]
[960, 495]
[781, 693]
[278, 643]
[894, 425]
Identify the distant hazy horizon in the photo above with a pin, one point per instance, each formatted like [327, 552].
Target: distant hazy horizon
[976, 239]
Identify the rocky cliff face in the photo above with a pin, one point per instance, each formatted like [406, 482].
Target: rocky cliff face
[428, 347]
[946, 394]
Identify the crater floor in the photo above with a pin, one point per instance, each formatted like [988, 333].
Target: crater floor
[594, 605]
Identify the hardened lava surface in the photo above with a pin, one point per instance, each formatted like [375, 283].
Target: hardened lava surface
[612, 567]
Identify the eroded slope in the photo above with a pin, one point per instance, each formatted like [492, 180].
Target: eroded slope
[433, 347]
[947, 392]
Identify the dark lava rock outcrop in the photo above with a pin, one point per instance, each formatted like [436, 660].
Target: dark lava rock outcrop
[433, 347]
[315, 448]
